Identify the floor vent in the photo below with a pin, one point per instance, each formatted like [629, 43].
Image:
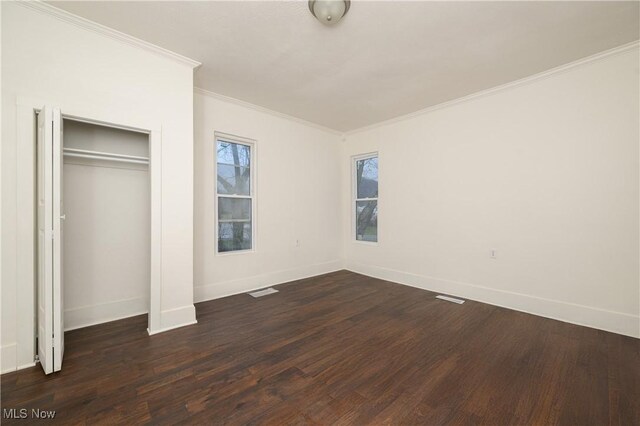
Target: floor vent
[264, 292]
[450, 299]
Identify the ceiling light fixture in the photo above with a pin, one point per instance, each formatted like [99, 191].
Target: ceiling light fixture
[329, 12]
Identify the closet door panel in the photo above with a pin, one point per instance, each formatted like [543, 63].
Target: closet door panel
[45, 238]
[49, 187]
[58, 231]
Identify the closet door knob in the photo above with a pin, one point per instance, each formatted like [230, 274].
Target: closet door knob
[63, 217]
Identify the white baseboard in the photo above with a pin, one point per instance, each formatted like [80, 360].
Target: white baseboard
[9, 359]
[175, 318]
[9, 354]
[86, 316]
[615, 322]
[243, 285]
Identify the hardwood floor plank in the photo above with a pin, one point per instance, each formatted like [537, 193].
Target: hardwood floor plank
[341, 348]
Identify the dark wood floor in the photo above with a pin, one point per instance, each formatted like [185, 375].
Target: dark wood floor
[341, 349]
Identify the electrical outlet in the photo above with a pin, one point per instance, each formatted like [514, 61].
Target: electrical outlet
[493, 254]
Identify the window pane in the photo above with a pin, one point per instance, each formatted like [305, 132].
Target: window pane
[233, 179]
[367, 220]
[233, 165]
[234, 209]
[367, 177]
[233, 153]
[234, 236]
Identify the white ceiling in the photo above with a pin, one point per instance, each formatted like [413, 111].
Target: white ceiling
[383, 60]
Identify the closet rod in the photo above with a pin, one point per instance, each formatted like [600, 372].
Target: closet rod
[98, 155]
[105, 154]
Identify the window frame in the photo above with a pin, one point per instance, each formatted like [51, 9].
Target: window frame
[355, 199]
[251, 143]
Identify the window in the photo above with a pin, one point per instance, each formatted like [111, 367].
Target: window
[366, 197]
[234, 194]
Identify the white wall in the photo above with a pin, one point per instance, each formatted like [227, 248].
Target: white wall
[46, 57]
[297, 198]
[107, 227]
[545, 172]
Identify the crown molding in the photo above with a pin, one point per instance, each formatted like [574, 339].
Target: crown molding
[262, 109]
[487, 92]
[86, 24]
[503, 87]
[68, 17]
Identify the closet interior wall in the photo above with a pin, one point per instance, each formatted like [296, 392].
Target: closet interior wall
[106, 243]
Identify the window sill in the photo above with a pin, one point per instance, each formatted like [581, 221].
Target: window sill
[234, 252]
[367, 243]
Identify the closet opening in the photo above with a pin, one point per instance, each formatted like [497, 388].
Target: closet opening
[106, 244]
[97, 225]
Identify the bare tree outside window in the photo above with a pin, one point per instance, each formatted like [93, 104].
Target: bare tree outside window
[234, 196]
[366, 199]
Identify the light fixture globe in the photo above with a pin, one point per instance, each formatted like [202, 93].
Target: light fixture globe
[329, 12]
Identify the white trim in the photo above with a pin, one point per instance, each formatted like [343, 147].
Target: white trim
[87, 24]
[511, 85]
[155, 194]
[175, 318]
[85, 316]
[8, 357]
[615, 322]
[253, 160]
[355, 199]
[27, 365]
[14, 367]
[245, 104]
[162, 330]
[221, 289]
[25, 234]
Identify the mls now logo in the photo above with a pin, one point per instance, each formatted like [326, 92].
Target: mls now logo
[14, 413]
[23, 413]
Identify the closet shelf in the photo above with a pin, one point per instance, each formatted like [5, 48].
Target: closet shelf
[108, 156]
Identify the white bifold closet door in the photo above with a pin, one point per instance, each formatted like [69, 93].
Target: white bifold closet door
[50, 230]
